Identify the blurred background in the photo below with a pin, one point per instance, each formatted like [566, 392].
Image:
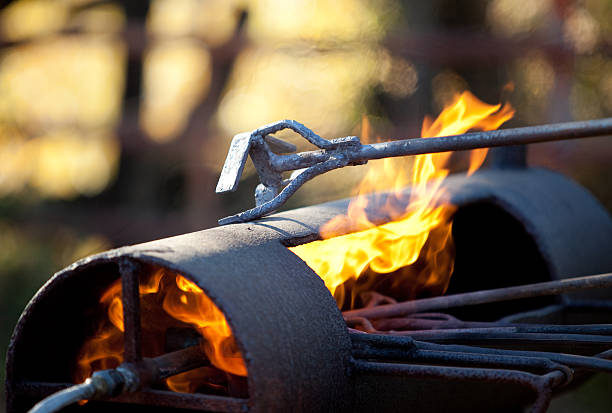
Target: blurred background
[116, 116]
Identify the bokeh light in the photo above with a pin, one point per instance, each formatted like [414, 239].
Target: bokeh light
[325, 89]
[176, 76]
[279, 21]
[516, 17]
[213, 21]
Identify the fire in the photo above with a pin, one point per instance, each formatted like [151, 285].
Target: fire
[105, 349]
[416, 245]
[188, 303]
[168, 301]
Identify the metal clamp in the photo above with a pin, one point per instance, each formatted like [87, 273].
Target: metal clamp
[273, 191]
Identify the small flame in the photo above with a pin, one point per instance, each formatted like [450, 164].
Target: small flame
[170, 300]
[190, 381]
[151, 284]
[105, 349]
[417, 241]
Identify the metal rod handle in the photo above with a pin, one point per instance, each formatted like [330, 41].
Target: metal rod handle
[337, 153]
[483, 297]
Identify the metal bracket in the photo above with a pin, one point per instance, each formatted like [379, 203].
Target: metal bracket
[263, 148]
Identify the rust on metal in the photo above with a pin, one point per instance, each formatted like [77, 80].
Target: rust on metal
[131, 310]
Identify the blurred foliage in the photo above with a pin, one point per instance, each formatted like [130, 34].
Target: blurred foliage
[115, 116]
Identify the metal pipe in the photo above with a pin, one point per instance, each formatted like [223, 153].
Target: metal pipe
[408, 346]
[127, 378]
[483, 297]
[57, 401]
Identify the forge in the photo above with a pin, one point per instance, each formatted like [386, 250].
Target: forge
[516, 326]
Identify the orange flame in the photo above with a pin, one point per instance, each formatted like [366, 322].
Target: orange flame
[189, 304]
[168, 300]
[417, 241]
[105, 349]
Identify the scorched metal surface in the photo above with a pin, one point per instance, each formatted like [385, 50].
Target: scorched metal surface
[294, 340]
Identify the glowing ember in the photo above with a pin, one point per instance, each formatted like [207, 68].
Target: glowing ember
[168, 301]
[416, 245]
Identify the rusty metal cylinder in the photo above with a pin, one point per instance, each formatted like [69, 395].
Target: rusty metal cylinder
[287, 326]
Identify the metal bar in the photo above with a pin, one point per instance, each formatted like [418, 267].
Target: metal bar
[590, 304]
[177, 362]
[494, 361]
[482, 297]
[597, 363]
[542, 385]
[474, 140]
[407, 346]
[464, 359]
[582, 343]
[441, 321]
[602, 330]
[130, 297]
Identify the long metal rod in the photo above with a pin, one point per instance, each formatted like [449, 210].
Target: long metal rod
[558, 342]
[483, 297]
[415, 324]
[589, 329]
[463, 359]
[599, 362]
[542, 385]
[475, 140]
[338, 153]
[374, 345]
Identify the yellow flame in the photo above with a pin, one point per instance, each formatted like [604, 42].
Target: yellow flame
[105, 349]
[417, 241]
[175, 299]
